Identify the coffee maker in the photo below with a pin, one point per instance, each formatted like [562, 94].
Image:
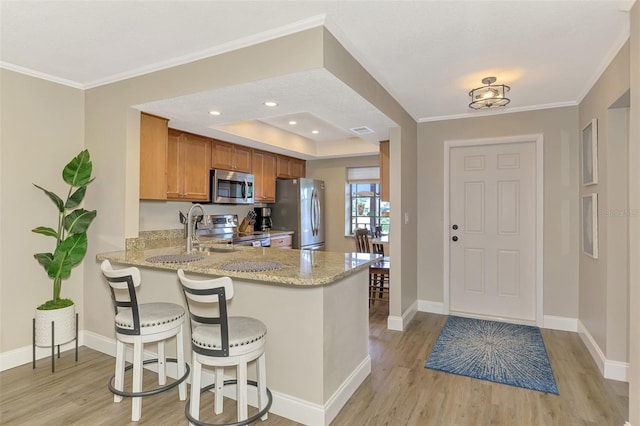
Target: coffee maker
[263, 219]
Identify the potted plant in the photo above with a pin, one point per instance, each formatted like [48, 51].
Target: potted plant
[70, 248]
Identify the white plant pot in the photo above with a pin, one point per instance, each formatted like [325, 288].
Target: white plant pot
[64, 325]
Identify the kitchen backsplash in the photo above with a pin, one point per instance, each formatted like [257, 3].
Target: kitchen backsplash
[158, 215]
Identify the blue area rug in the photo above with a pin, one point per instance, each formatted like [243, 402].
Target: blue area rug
[499, 352]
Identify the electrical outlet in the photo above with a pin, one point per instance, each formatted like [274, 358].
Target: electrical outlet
[406, 218]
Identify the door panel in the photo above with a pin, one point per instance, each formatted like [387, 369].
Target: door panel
[492, 251]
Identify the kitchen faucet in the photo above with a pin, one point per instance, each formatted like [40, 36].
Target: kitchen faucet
[191, 226]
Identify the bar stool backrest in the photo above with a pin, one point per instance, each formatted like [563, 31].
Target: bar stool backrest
[201, 297]
[123, 283]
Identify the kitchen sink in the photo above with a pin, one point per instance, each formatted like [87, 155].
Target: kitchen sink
[210, 249]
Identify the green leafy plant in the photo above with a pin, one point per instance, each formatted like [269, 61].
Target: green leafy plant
[73, 222]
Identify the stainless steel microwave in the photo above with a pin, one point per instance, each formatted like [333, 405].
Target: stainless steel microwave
[229, 187]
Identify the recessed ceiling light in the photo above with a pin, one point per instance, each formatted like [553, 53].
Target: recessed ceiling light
[216, 113]
[315, 132]
[270, 104]
[292, 122]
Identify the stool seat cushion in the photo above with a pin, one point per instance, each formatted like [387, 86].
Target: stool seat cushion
[154, 317]
[245, 335]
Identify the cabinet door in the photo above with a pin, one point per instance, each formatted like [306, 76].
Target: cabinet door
[289, 167]
[264, 170]
[384, 171]
[241, 159]
[188, 164]
[297, 167]
[153, 157]
[228, 156]
[221, 155]
[196, 156]
[173, 183]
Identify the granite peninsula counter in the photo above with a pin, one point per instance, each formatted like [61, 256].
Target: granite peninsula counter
[315, 306]
[296, 267]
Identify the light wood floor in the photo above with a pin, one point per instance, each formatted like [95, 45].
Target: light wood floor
[399, 391]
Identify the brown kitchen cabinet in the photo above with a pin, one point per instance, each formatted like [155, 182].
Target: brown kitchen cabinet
[264, 171]
[384, 171]
[282, 241]
[188, 165]
[229, 156]
[153, 157]
[290, 167]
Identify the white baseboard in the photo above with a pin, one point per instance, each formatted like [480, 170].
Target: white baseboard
[340, 397]
[24, 355]
[302, 411]
[614, 370]
[560, 323]
[431, 307]
[399, 323]
[283, 405]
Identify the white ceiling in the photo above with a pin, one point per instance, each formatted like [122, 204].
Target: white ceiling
[427, 54]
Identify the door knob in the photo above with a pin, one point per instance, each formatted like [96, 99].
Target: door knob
[454, 227]
[454, 238]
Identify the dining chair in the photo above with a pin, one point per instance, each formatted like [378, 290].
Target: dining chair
[377, 248]
[378, 272]
[362, 240]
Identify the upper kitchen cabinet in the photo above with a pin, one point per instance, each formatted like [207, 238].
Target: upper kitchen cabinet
[384, 171]
[229, 156]
[153, 157]
[188, 165]
[264, 171]
[289, 167]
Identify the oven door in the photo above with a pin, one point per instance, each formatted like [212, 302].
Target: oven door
[231, 187]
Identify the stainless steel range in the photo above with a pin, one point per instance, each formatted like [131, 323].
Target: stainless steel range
[225, 226]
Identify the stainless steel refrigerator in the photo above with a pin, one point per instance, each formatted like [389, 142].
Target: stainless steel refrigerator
[299, 208]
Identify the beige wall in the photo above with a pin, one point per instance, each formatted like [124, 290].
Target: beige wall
[603, 308]
[559, 129]
[403, 166]
[41, 130]
[334, 174]
[634, 218]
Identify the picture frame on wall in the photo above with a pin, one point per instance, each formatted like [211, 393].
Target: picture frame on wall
[590, 225]
[590, 153]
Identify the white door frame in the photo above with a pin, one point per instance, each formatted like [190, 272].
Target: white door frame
[533, 138]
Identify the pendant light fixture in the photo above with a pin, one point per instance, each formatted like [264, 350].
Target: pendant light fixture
[489, 95]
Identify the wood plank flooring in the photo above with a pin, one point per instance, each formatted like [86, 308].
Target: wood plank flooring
[399, 391]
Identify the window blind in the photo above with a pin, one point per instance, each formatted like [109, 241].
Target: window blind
[363, 174]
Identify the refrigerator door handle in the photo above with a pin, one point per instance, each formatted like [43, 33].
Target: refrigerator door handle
[318, 215]
[311, 213]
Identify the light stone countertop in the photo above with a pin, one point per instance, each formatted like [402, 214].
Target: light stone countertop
[298, 267]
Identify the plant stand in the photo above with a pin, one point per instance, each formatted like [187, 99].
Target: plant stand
[53, 345]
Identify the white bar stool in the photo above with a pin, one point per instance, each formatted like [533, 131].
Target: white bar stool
[219, 341]
[138, 324]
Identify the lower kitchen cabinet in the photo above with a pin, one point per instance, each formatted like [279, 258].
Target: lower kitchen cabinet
[283, 241]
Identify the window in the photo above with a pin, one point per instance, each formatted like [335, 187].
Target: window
[366, 210]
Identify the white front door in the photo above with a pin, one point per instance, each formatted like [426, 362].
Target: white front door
[492, 247]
